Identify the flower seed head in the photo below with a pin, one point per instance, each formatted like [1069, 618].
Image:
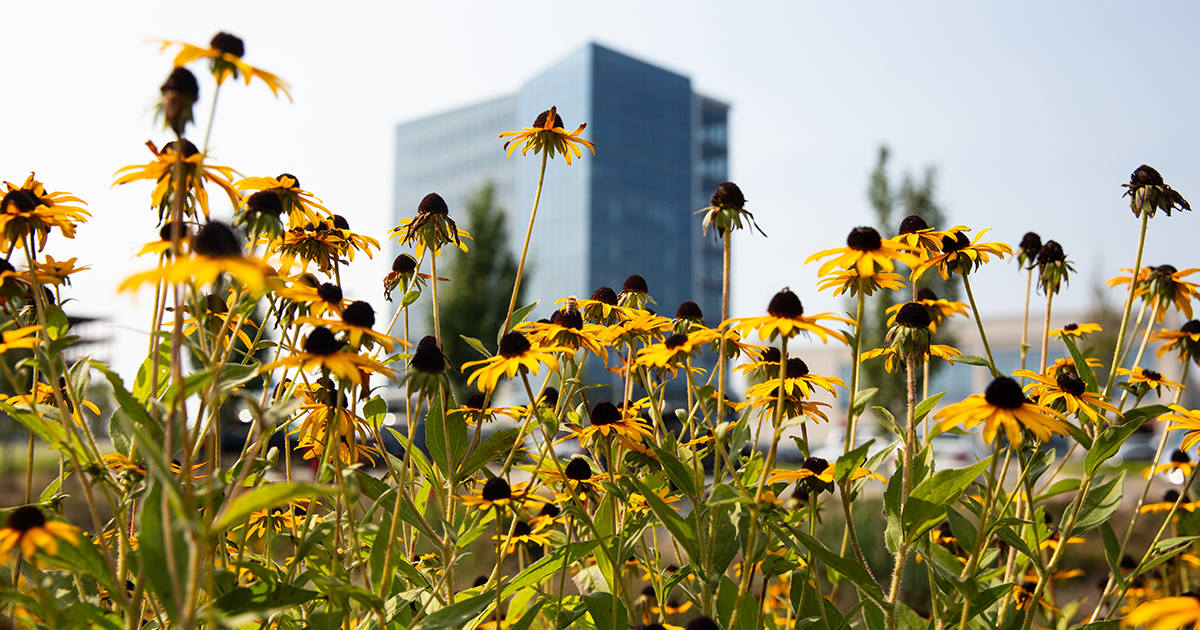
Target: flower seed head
[1050, 253]
[540, 121]
[1180, 457]
[1071, 327]
[955, 243]
[26, 518]
[605, 295]
[522, 529]
[1031, 244]
[228, 44]
[702, 623]
[475, 401]
[816, 464]
[689, 310]
[308, 280]
[1127, 561]
[331, 293]
[217, 240]
[550, 397]
[497, 489]
[340, 222]
[728, 195]
[605, 413]
[1151, 375]
[165, 232]
[359, 314]
[1071, 384]
[578, 469]
[913, 315]
[786, 305]
[1165, 270]
[181, 83]
[1170, 496]
[771, 355]
[796, 368]
[19, 200]
[513, 344]
[567, 319]
[480, 581]
[550, 510]
[1145, 176]
[913, 223]
[635, 284]
[926, 294]
[404, 263]
[433, 204]
[1004, 393]
[864, 239]
[295, 181]
[428, 357]
[265, 202]
[6, 266]
[189, 149]
[1191, 328]
[321, 342]
[675, 340]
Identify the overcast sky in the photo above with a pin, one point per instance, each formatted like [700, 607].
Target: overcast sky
[1033, 114]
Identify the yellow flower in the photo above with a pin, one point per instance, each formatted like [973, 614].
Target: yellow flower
[960, 255]
[28, 210]
[852, 282]
[514, 355]
[1141, 377]
[1168, 502]
[637, 502]
[607, 419]
[893, 354]
[1003, 406]
[638, 325]
[326, 242]
[19, 339]
[317, 299]
[195, 173]
[226, 52]
[1069, 390]
[216, 251]
[939, 309]
[547, 134]
[602, 308]
[277, 519]
[497, 493]
[56, 272]
[323, 350]
[785, 316]
[1165, 613]
[1067, 364]
[430, 229]
[566, 329]
[1179, 461]
[1186, 340]
[797, 382]
[864, 251]
[666, 355]
[299, 204]
[1076, 330]
[28, 528]
[527, 533]
[916, 235]
[1184, 420]
[1165, 286]
[358, 321]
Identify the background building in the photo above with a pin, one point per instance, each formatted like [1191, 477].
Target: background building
[661, 151]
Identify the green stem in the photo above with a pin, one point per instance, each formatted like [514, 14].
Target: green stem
[1137, 265]
[1025, 320]
[537, 198]
[855, 373]
[982, 334]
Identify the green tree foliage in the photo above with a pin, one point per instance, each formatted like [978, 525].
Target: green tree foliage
[891, 206]
[473, 303]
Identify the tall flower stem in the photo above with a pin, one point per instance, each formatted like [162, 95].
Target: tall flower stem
[979, 322]
[1045, 333]
[537, 198]
[1137, 265]
[437, 321]
[725, 268]
[1137, 360]
[910, 441]
[1025, 321]
[855, 373]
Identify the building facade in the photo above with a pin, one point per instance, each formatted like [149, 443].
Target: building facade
[661, 151]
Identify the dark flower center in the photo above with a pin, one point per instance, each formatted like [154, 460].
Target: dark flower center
[913, 223]
[864, 239]
[816, 464]
[676, 340]
[796, 368]
[1004, 393]
[1170, 496]
[1031, 244]
[165, 232]
[771, 355]
[635, 284]
[295, 181]
[433, 204]
[6, 266]
[926, 294]
[1127, 561]
[480, 581]
[655, 626]
[428, 358]
[1191, 328]
[308, 280]
[513, 344]
[955, 242]
[578, 469]
[540, 121]
[648, 592]
[322, 342]
[522, 529]
[183, 83]
[689, 310]
[550, 397]
[1145, 176]
[605, 295]
[330, 293]
[728, 195]
[24, 200]
[702, 623]
[1071, 327]
[605, 413]
[1165, 270]
[496, 489]
[216, 240]
[785, 304]
[228, 44]
[913, 315]
[567, 319]
[189, 149]
[550, 510]
[426, 341]
[475, 401]
[340, 222]
[1051, 252]
[404, 263]
[1151, 375]
[1071, 384]
[26, 518]
[1180, 457]
[265, 202]
[359, 314]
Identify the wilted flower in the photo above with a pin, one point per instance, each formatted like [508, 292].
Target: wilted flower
[547, 134]
[1148, 193]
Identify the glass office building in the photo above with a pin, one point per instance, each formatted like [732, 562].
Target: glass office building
[661, 150]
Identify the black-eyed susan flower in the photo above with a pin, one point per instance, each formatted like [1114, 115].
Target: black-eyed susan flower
[162, 247]
[865, 251]
[403, 274]
[547, 134]
[321, 349]
[195, 173]
[794, 405]
[785, 317]
[57, 272]
[262, 213]
[348, 449]
[473, 411]
[28, 529]
[1148, 193]
[1170, 497]
[324, 242]
[358, 322]
[179, 94]
[525, 533]
[1028, 250]
[852, 282]
[1141, 381]
[602, 307]
[28, 211]
[578, 476]
[1066, 392]
[939, 308]
[216, 250]
[1165, 287]
[635, 293]
[764, 366]
[1003, 406]
[1179, 461]
[19, 339]
[798, 382]
[637, 502]
[1023, 597]
[1184, 420]
[608, 420]
[961, 255]
[566, 329]
[275, 520]
[1053, 268]
[688, 316]
[426, 373]
[314, 299]
[1067, 364]
[919, 238]
[893, 357]
[1076, 330]
[679, 346]
[672, 607]
[514, 355]
[225, 54]
[727, 211]
[498, 493]
[1185, 341]
[1165, 613]
[431, 228]
[638, 326]
[299, 205]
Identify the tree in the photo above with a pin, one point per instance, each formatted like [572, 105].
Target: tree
[474, 302]
[913, 197]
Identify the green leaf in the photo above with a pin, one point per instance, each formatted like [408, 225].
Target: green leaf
[1108, 443]
[129, 403]
[600, 605]
[861, 400]
[850, 462]
[477, 344]
[1112, 552]
[683, 530]
[888, 420]
[678, 473]
[496, 446]
[1060, 487]
[724, 493]
[57, 323]
[518, 316]
[891, 511]
[1149, 412]
[549, 565]
[526, 619]
[152, 534]
[1081, 367]
[409, 298]
[1099, 504]
[845, 566]
[456, 613]
[926, 406]
[439, 426]
[971, 359]
[927, 503]
[265, 498]
[84, 558]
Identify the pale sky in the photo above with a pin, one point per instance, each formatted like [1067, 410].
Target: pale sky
[1034, 114]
